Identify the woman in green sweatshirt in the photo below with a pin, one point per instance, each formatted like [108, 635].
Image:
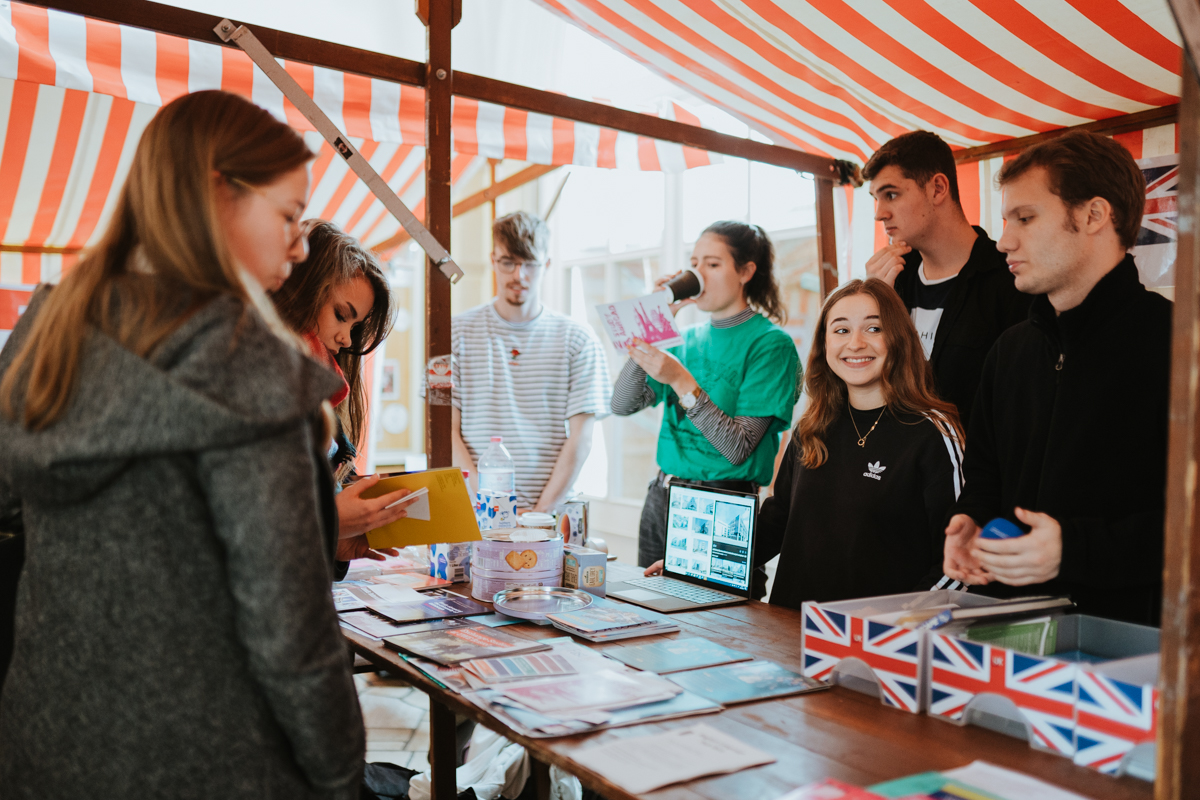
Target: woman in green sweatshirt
[729, 388]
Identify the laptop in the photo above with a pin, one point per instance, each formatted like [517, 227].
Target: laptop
[710, 552]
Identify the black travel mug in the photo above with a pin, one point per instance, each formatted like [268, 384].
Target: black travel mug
[684, 285]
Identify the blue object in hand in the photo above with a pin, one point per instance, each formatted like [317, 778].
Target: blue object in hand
[1000, 528]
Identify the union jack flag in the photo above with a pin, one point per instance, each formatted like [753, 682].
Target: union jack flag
[1112, 717]
[1042, 689]
[1159, 220]
[892, 653]
[1154, 250]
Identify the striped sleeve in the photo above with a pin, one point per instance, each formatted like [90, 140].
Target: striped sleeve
[733, 437]
[954, 450]
[632, 393]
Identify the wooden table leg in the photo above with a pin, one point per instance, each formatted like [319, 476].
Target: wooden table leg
[541, 778]
[443, 744]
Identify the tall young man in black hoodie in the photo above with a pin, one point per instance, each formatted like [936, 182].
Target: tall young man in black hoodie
[1068, 436]
[949, 274]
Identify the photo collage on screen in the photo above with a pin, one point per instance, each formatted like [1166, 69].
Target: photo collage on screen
[708, 536]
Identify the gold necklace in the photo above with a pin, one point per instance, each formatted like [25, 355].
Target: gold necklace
[862, 437]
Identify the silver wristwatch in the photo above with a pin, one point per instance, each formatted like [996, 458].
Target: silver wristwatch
[688, 401]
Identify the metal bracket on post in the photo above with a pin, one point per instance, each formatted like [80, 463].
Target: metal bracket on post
[245, 39]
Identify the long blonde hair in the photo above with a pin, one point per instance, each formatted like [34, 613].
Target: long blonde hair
[163, 254]
[907, 376]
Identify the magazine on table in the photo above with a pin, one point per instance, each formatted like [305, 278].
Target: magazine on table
[451, 678]
[570, 658]
[410, 580]
[654, 622]
[601, 691]
[507, 669]
[540, 726]
[435, 604]
[676, 655]
[455, 645]
[356, 595]
[745, 682]
[370, 624]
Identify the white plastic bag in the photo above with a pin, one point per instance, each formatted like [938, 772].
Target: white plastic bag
[495, 767]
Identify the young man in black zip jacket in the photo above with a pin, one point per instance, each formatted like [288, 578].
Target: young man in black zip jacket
[1068, 435]
[949, 274]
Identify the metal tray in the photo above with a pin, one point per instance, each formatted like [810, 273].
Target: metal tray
[535, 602]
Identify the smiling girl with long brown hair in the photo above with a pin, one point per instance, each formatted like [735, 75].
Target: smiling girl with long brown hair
[875, 464]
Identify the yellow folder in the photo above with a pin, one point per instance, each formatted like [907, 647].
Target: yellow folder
[451, 513]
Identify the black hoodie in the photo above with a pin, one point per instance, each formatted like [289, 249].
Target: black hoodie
[1071, 420]
[983, 303]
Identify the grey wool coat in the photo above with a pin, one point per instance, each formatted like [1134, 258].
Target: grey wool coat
[175, 632]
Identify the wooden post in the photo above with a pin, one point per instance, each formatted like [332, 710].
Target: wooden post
[438, 18]
[1179, 698]
[826, 237]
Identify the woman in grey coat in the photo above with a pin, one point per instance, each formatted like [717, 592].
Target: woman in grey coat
[164, 444]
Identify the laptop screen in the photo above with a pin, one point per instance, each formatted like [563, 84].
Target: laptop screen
[709, 535]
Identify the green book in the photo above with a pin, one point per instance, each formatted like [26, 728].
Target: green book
[1035, 637]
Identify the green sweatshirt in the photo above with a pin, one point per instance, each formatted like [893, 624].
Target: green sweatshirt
[749, 370]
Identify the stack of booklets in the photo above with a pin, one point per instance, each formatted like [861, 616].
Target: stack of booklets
[676, 655]
[746, 682]
[452, 646]
[381, 610]
[606, 621]
[595, 693]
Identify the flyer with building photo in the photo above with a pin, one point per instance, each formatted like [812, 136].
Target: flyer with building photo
[647, 318]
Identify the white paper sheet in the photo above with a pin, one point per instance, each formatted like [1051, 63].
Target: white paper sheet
[1009, 784]
[644, 763]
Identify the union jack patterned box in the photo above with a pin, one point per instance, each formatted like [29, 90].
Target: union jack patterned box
[1116, 716]
[856, 644]
[1033, 697]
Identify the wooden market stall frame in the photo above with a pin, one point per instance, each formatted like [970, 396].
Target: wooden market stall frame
[1179, 722]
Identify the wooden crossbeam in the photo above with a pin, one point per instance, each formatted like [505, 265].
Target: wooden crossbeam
[51, 251]
[473, 202]
[1109, 127]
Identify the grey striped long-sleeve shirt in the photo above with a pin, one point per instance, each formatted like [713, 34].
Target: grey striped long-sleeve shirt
[734, 437]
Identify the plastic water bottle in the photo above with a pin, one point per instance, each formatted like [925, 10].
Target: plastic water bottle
[497, 473]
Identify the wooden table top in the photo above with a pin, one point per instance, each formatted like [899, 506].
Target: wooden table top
[836, 733]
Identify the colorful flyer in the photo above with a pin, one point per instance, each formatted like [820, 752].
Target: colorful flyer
[647, 318]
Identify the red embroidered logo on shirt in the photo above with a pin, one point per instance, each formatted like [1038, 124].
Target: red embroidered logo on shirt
[512, 356]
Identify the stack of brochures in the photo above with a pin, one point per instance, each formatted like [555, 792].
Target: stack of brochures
[606, 621]
[450, 646]
[573, 690]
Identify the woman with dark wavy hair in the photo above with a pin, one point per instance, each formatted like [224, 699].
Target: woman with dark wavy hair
[339, 302]
[866, 484]
[728, 390]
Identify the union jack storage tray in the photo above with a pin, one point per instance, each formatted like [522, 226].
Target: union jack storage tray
[1116, 716]
[1037, 697]
[862, 644]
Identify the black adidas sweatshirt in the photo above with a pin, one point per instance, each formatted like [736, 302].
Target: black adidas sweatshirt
[869, 521]
[1071, 420]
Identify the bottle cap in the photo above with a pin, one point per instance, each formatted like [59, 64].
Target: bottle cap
[497, 438]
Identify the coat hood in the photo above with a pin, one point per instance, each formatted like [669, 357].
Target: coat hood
[222, 378]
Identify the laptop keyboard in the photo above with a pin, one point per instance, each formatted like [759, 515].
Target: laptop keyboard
[680, 589]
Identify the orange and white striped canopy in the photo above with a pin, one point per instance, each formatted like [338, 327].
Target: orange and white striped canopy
[76, 93]
[841, 77]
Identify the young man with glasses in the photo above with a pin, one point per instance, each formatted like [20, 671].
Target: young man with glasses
[537, 378]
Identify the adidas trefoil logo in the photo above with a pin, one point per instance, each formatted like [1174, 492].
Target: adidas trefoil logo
[873, 471]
